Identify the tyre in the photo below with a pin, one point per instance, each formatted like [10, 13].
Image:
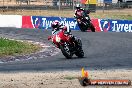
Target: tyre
[82, 27]
[85, 82]
[92, 27]
[79, 43]
[80, 54]
[66, 51]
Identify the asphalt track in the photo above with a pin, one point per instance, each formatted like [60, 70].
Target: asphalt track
[103, 50]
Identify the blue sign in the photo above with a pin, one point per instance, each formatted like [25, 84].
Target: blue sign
[107, 1]
[116, 25]
[42, 22]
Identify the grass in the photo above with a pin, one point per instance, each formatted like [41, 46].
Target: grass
[70, 77]
[115, 14]
[14, 48]
[107, 14]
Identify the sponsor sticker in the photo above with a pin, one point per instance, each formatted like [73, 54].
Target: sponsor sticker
[85, 80]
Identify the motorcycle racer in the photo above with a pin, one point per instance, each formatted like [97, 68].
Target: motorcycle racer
[83, 19]
[80, 12]
[56, 26]
[65, 41]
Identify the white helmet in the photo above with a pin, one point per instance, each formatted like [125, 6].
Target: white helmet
[55, 24]
[78, 6]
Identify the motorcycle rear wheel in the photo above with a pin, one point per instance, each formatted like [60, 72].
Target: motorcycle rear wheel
[80, 54]
[82, 27]
[79, 43]
[92, 27]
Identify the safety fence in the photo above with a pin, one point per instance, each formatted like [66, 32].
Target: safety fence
[44, 23]
[6, 5]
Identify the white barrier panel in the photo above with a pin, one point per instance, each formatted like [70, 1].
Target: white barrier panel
[113, 1]
[11, 21]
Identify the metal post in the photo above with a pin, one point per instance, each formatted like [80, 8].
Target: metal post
[3, 5]
[73, 4]
[103, 6]
[59, 4]
[66, 3]
[46, 4]
[119, 6]
[88, 4]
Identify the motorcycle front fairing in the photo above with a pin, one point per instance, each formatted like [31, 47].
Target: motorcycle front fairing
[59, 38]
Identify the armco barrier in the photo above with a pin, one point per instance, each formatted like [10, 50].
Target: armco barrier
[11, 21]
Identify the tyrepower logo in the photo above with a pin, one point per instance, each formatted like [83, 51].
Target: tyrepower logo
[116, 25]
[105, 25]
[85, 80]
[45, 22]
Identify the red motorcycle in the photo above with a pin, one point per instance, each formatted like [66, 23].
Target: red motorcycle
[66, 44]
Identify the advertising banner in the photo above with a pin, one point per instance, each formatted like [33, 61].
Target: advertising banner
[107, 1]
[27, 22]
[88, 1]
[116, 25]
[45, 22]
[42, 22]
[84, 1]
[106, 25]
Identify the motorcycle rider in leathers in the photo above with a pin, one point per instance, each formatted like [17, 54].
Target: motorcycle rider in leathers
[80, 12]
[56, 26]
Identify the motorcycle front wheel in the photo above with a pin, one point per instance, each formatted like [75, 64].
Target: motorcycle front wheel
[66, 51]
